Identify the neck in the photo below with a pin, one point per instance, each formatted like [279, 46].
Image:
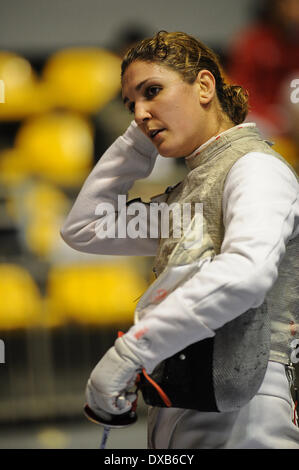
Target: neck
[216, 123]
[206, 150]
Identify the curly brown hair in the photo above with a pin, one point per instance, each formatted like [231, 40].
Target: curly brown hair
[187, 56]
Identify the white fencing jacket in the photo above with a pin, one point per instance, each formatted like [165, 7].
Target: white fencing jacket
[260, 215]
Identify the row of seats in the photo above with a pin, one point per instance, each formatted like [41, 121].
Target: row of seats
[51, 155]
[87, 294]
[55, 140]
[81, 79]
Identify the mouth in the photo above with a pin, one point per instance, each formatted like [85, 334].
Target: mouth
[154, 133]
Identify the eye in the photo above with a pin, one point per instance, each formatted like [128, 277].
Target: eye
[152, 91]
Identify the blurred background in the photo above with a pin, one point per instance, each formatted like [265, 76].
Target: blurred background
[60, 108]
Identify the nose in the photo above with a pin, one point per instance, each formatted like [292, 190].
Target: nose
[142, 113]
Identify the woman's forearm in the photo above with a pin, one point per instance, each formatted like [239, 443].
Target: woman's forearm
[132, 156]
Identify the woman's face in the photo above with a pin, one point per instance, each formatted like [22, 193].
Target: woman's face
[166, 108]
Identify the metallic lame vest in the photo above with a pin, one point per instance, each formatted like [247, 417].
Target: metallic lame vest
[224, 372]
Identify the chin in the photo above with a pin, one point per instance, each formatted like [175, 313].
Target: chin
[173, 151]
[169, 154]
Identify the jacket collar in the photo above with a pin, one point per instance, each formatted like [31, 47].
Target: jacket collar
[218, 143]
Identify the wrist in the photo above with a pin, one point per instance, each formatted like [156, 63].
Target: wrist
[139, 141]
[127, 354]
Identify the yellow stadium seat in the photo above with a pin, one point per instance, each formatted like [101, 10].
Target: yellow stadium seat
[13, 168]
[95, 294]
[57, 147]
[42, 234]
[288, 149]
[22, 94]
[39, 210]
[21, 304]
[45, 198]
[83, 79]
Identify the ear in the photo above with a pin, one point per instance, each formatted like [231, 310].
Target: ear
[207, 86]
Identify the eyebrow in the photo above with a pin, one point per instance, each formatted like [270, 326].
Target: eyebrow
[137, 88]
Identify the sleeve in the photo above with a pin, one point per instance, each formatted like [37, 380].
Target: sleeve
[261, 213]
[101, 203]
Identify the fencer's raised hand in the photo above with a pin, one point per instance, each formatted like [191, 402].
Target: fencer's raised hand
[140, 141]
[108, 388]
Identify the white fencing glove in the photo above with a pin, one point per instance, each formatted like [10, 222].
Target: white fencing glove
[108, 388]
